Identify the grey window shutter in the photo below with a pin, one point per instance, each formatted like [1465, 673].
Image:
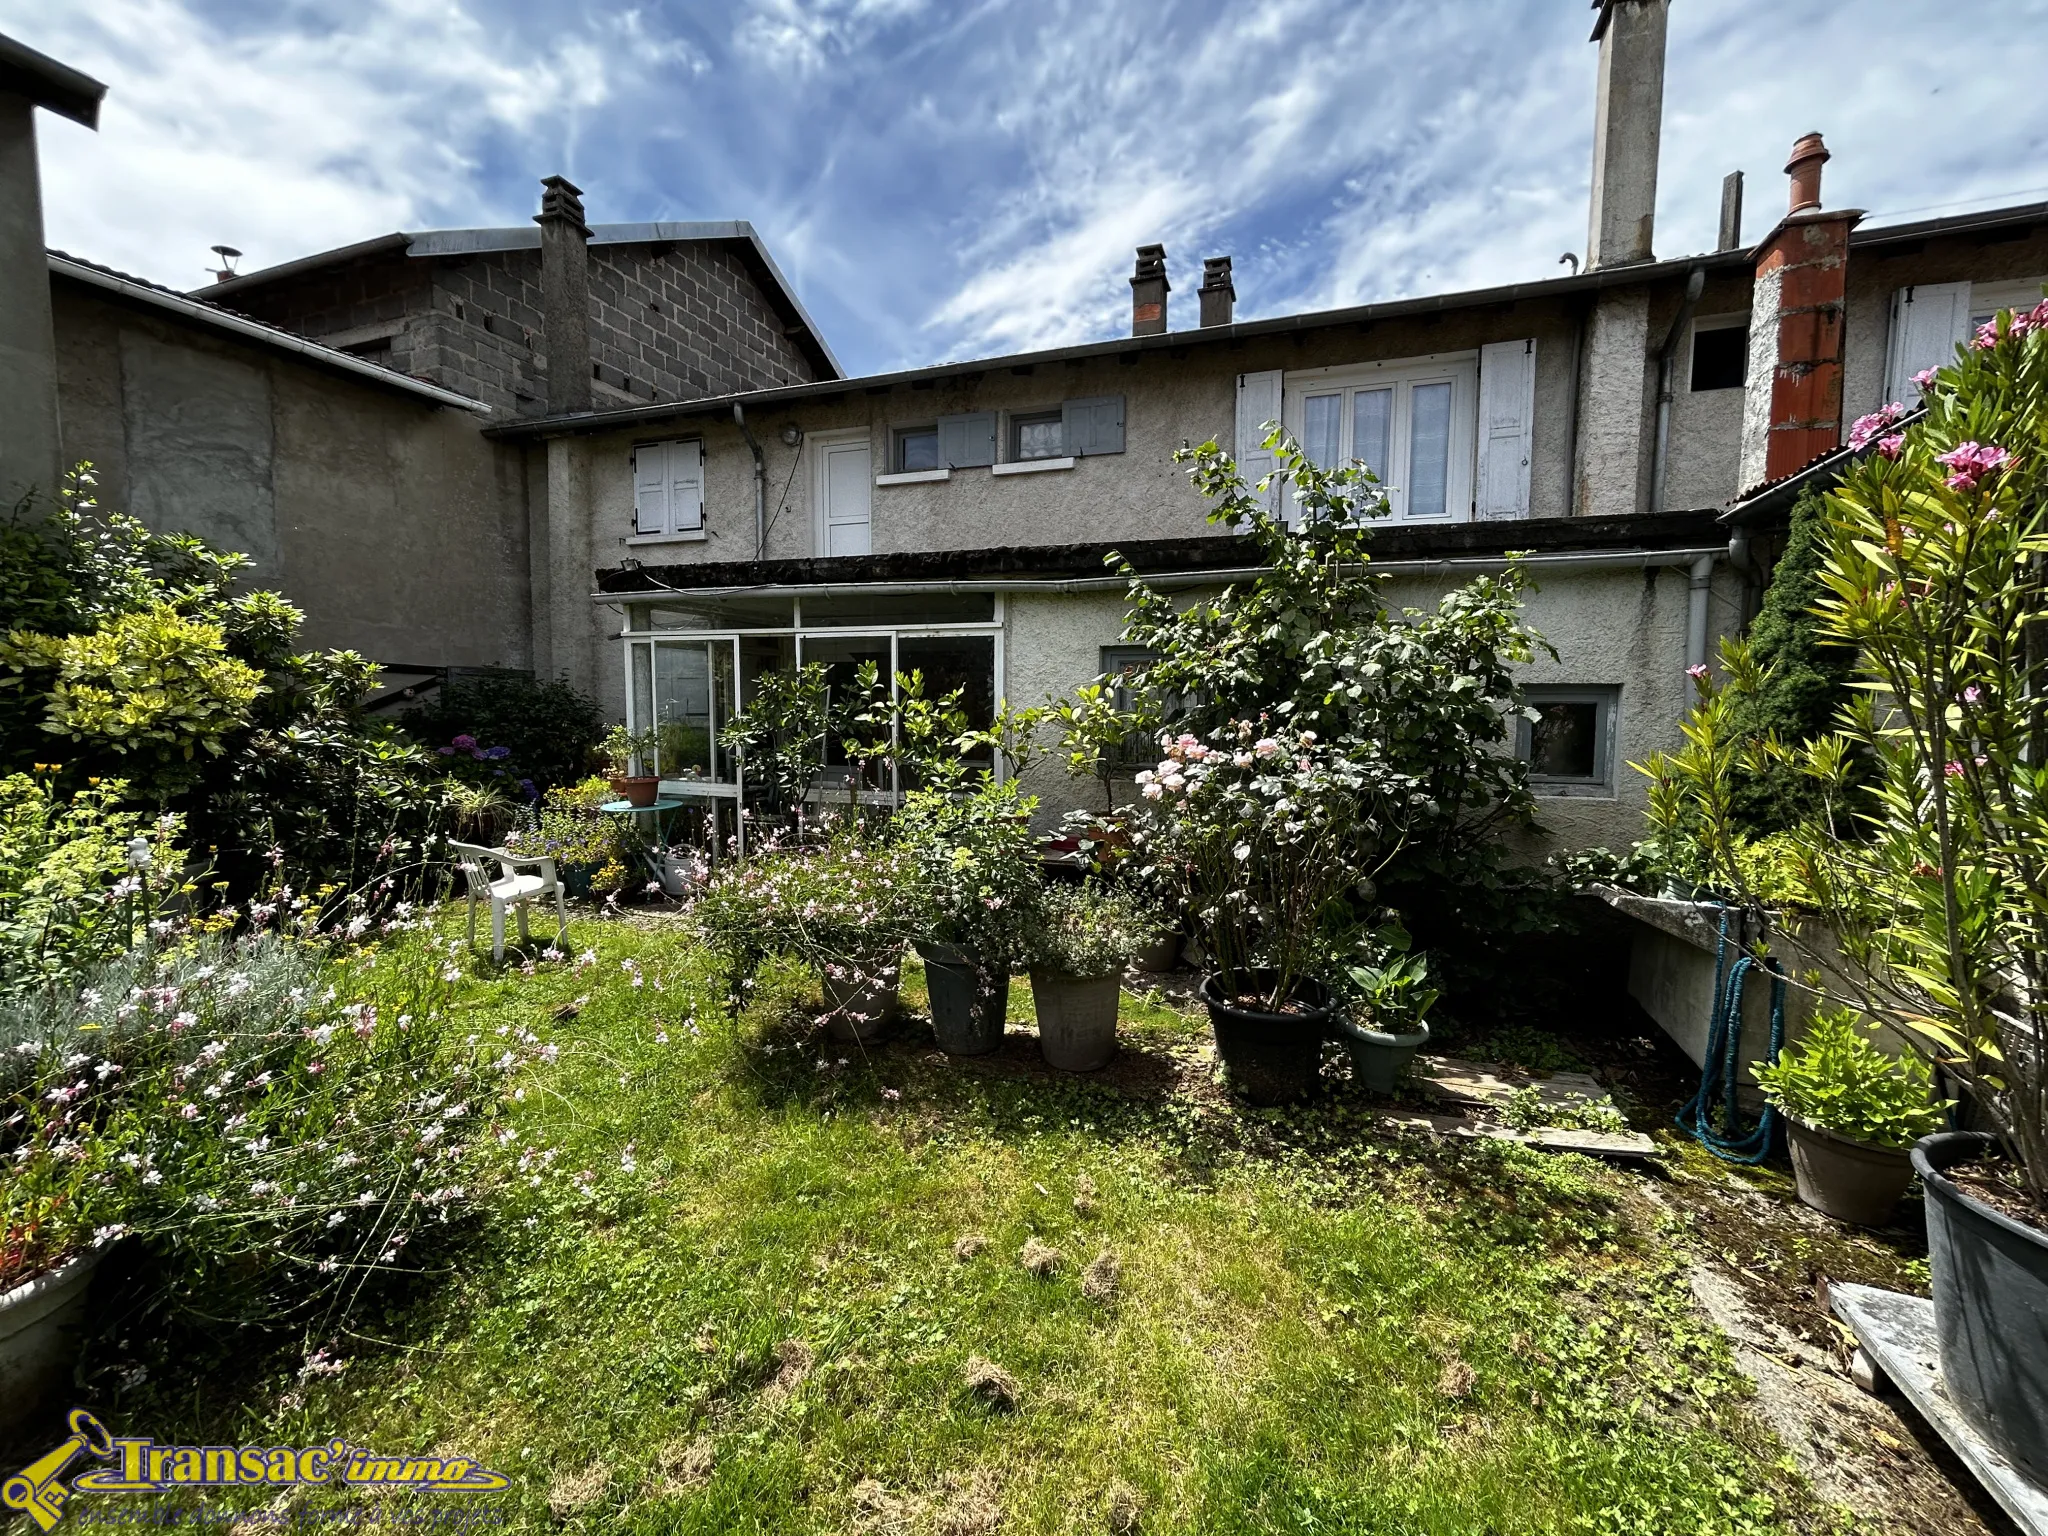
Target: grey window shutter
[1928, 320]
[1094, 425]
[650, 488]
[1507, 399]
[1258, 402]
[967, 441]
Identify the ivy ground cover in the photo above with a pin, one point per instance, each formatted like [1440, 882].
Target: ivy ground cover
[751, 1280]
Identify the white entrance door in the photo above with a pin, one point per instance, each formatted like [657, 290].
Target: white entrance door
[845, 497]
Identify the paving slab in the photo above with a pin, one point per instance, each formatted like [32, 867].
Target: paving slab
[1896, 1334]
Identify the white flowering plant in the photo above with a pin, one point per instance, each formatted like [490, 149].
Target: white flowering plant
[976, 864]
[1263, 823]
[274, 1125]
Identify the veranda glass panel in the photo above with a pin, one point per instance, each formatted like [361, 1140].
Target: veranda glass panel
[966, 662]
[842, 657]
[683, 719]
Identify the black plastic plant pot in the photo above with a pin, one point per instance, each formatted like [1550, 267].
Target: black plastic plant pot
[1990, 1305]
[1272, 1058]
[969, 997]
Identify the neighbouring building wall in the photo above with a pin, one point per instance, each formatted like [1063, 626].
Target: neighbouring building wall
[392, 522]
[672, 321]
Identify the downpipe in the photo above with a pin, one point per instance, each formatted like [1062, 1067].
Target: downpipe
[1700, 590]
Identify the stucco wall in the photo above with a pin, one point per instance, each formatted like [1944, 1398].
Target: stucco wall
[392, 522]
[1875, 275]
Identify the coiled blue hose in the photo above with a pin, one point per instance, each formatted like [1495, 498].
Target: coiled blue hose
[1720, 1070]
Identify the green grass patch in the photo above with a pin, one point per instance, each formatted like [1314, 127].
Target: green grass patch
[742, 1284]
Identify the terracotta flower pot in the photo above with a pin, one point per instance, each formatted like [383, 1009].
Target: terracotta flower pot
[638, 789]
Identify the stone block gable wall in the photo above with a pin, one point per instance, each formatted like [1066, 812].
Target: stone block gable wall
[669, 321]
[674, 321]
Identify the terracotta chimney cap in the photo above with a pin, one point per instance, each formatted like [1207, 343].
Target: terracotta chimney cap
[1809, 154]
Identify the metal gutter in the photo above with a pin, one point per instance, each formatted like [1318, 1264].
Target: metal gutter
[47, 83]
[1176, 581]
[283, 341]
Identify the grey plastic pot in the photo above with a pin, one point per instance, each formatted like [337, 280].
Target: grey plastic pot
[1990, 1284]
[1076, 1018]
[1847, 1179]
[1163, 956]
[863, 1000]
[1379, 1060]
[970, 997]
[1271, 1058]
[40, 1322]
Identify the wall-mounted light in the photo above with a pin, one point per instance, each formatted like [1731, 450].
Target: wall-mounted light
[792, 434]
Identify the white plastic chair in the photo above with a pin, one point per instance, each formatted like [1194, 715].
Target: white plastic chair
[508, 889]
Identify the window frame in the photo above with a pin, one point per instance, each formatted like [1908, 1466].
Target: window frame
[1016, 421]
[899, 436]
[1458, 369]
[1712, 323]
[673, 528]
[1606, 697]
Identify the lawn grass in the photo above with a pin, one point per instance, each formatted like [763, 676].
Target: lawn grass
[736, 1301]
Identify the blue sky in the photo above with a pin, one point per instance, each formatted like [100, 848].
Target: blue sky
[946, 180]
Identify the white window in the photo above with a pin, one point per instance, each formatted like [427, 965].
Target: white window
[1569, 746]
[1411, 422]
[668, 489]
[1987, 299]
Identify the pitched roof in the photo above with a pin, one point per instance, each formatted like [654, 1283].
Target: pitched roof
[140, 290]
[738, 233]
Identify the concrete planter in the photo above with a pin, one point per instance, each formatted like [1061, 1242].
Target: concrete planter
[1849, 1180]
[40, 1322]
[864, 999]
[1076, 1018]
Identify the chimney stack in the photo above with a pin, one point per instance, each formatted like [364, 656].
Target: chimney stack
[1149, 288]
[1628, 117]
[1792, 410]
[1731, 212]
[1219, 293]
[565, 294]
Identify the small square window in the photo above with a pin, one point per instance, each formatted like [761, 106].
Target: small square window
[1037, 435]
[1720, 358]
[917, 448]
[1569, 746]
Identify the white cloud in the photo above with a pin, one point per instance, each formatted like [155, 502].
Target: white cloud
[292, 137]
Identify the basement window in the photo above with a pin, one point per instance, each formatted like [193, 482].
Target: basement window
[916, 450]
[1720, 355]
[1569, 746]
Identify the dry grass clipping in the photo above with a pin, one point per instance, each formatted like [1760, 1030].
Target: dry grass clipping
[878, 1512]
[1126, 1508]
[972, 1508]
[968, 1246]
[1040, 1258]
[574, 1492]
[684, 1464]
[991, 1383]
[793, 1361]
[1457, 1380]
[1098, 1280]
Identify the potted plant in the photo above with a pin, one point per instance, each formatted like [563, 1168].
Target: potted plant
[844, 910]
[1392, 992]
[1852, 1115]
[626, 753]
[977, 869]
[1262, 824]
[1928, 853]
[1081, 937]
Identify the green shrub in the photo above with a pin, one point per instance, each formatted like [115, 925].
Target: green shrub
[1090, 929]
[549, 730]
[1835, 1078]
[976, 863]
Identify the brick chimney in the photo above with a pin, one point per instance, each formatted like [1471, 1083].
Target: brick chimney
[565, 294]
[1792, 408]
[1628, 117]
[1218, 292]
[1149, 288]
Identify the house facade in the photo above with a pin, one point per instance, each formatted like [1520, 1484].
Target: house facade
[645, 472]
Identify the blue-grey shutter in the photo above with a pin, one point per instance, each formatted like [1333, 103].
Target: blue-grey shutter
[1507, 426]
[650, 488]
[967, 441]
[1094, 425]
